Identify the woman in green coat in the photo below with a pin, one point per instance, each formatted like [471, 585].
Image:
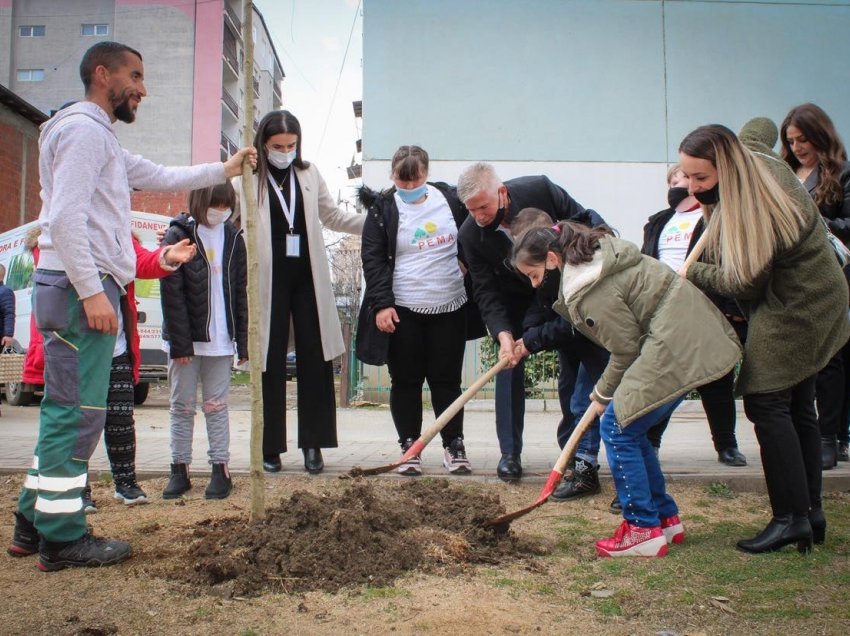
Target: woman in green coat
[767, 247]
[645, 315]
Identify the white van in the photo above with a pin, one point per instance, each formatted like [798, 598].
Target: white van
[19, 268]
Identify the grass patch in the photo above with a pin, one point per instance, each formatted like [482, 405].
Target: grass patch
[720, 489]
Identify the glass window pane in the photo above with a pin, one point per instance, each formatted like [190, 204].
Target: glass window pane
[101, 29]
[38, 31]
[88, 29]
[37, 75]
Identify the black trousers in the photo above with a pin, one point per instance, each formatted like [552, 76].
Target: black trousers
[789, 440]
[578, 351]
[833, 395]
[294, 297]
[426, 347]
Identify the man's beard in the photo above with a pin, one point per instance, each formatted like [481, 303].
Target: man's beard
[122, 110]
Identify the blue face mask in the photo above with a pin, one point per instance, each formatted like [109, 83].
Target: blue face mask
[412, 196]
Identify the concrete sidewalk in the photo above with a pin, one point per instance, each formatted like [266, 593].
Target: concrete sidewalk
[367, 438]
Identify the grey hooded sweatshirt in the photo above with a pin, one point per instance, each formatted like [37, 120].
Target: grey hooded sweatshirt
[86, 179]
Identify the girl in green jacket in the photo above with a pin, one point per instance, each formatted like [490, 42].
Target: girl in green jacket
[644, 315]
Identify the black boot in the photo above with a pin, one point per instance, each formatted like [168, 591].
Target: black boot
[24, 538]
[178, 483]
[585, 482]
[781, 531]
[818, 522]
[829, 452]
[313, 462]
[220, 483]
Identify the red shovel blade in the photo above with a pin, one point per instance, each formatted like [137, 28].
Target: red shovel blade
[411, 452]
[501, 522]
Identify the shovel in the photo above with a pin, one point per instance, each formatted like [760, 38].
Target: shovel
[501, 523]
[436, 427]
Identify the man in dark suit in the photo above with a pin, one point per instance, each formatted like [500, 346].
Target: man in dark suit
[504, 297]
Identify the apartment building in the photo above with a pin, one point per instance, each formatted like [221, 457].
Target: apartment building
[192, 50]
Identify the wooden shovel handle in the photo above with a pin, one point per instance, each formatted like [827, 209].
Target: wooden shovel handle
[459, 403]
[572, 443]
[699, 248]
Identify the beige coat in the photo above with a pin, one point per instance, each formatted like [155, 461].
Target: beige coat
[319, 210]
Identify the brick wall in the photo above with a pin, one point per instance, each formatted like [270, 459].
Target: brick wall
[13, 135]
[167, 203]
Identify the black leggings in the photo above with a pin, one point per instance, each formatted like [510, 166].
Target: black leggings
[426, 347]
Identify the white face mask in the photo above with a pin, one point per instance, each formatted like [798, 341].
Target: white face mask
[216, 217]
[281, 159]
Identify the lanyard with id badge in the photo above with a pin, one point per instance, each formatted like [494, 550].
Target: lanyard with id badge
[293, 247]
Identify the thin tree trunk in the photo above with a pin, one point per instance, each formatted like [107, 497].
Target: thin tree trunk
[249, 218]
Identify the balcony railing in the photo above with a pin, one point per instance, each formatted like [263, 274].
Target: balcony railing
[228, 146]
[234, 19]
[230, 52]
[256, 86]
[230, 103]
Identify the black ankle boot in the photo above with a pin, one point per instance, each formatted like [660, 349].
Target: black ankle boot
[220, 483]
[178, 483]
[818, 522]
[781, 531]
[829, 452]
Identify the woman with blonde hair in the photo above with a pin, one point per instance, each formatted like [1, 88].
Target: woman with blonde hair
[814, 151]
[767, 248]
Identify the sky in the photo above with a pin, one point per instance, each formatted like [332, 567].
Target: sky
[321, 81]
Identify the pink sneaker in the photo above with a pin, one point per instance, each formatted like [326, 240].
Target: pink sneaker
[629, 540]
[673, 530]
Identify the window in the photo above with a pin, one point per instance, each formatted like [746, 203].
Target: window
[95, 29]
[30, 74]
[31, 31]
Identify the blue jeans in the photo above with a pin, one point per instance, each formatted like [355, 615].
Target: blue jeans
[635, 468]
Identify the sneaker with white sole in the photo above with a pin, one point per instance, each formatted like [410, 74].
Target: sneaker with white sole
[131, 495]
[673, 529]
[629, 541]
[454, 458]
[413, 466]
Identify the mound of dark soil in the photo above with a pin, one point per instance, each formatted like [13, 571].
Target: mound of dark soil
[367, 535]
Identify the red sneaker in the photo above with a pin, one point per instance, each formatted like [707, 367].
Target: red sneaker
[629, 540]
[673, 529]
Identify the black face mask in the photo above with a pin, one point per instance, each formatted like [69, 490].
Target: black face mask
[676, 195]
[709, 197]
[549, 287]
[497, 220]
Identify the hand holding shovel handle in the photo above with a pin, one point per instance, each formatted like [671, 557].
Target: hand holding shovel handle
[437, 426]
[554, 477]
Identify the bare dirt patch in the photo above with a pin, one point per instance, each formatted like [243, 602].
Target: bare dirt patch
[365, 535]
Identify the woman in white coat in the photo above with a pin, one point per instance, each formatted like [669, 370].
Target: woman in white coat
[295, 284]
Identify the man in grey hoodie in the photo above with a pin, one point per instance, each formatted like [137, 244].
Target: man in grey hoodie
[86, 261]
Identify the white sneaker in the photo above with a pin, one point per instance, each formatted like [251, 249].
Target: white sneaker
[413, 466]
[454, 458]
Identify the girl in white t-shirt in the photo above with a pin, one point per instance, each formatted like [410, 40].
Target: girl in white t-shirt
[205, 321]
